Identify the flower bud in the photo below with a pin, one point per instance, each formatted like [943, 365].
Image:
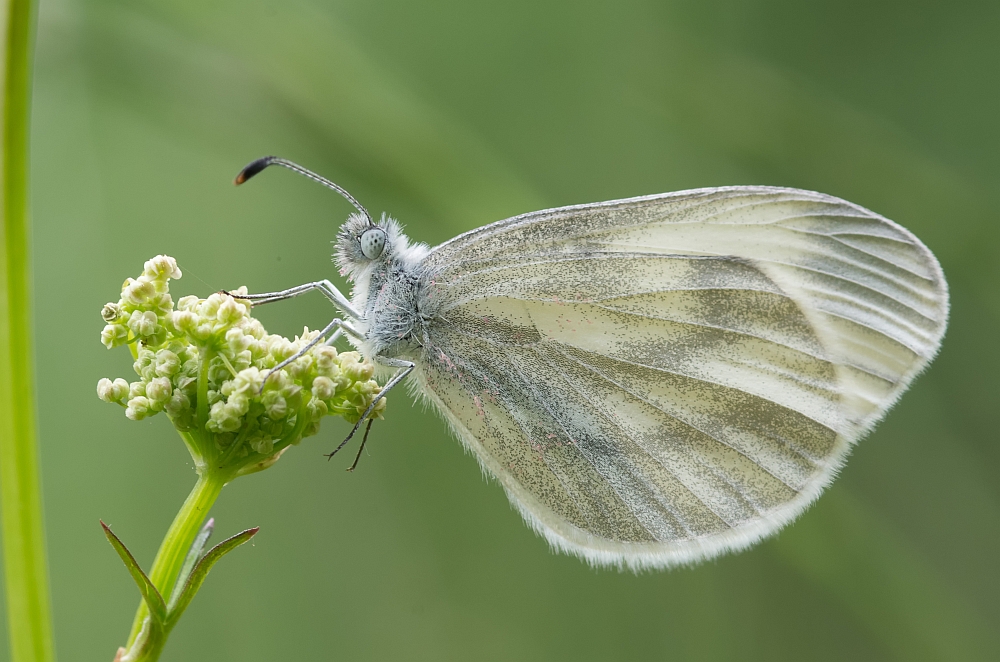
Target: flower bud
[306, 337]
[291, 391]
[142, 323]
[222, 418]
[210, 306]
[316, 409]
[114, 335]
[162, 304]
[254, 328]
[243, 360]
[277, 381]
[184, 320]
[145, 364]
[340, 380]
[161, 267]
[158, 390]
[248, 381]
[135, 389]
[177, 404]
[275, 405]
[323, 388]
[357, 371]
[137, 408]
[218, 372]
[379, 407]
[326, 360]
[238, 404]
[137, 292]
[158, 337]
[280, 348]
[202, 332]
[229, 311]
[293, 396]
[167, 363]
[299, 368]
[110, 312]
[112, 391]
[237, 340]
[188, 303]
[262, 445]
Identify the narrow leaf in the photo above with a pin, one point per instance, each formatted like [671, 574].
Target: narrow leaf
[200, 571]
[194, 555]
[149, 593]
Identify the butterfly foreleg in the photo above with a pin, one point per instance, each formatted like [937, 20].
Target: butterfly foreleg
[328, 289]
[405, 368]
[341, 327]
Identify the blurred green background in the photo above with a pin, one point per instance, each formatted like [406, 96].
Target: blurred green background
[450, 115]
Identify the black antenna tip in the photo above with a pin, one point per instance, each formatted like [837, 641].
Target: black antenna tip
[252, 169]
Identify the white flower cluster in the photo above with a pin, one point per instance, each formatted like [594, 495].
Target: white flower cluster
[205, 362]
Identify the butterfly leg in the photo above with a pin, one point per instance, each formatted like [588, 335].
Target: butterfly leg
[327, 288]
[333, 337]
[405, 368]
[340, 325]
[364, 440]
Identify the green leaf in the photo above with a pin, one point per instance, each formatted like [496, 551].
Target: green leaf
[194, 555]
[149, 593]
[200, 571]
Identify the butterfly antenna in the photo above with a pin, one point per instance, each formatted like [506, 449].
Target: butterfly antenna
[254, 167]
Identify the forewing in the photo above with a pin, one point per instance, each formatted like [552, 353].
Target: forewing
[659, 379]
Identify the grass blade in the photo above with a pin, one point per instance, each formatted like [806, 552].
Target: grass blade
[26, 571]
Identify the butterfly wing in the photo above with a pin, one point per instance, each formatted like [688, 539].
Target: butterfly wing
[656, 380]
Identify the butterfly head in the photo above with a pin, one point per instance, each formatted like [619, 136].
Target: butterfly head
[362, 244]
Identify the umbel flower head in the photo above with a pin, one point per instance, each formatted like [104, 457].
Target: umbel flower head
[209, 366]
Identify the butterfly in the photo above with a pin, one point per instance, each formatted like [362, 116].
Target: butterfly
[653, 381]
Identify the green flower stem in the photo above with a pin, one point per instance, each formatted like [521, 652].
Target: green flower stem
[174, 548]
[26, 580]
[206, 360]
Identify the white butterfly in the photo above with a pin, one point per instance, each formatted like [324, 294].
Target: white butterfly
[657, 380]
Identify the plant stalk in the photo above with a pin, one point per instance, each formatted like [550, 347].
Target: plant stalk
[174, 548]
[26, 571]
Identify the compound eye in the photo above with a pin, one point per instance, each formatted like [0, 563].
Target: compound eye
[373, 243]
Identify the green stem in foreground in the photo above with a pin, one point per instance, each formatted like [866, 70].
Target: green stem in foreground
[26, 578]
[174, 548]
